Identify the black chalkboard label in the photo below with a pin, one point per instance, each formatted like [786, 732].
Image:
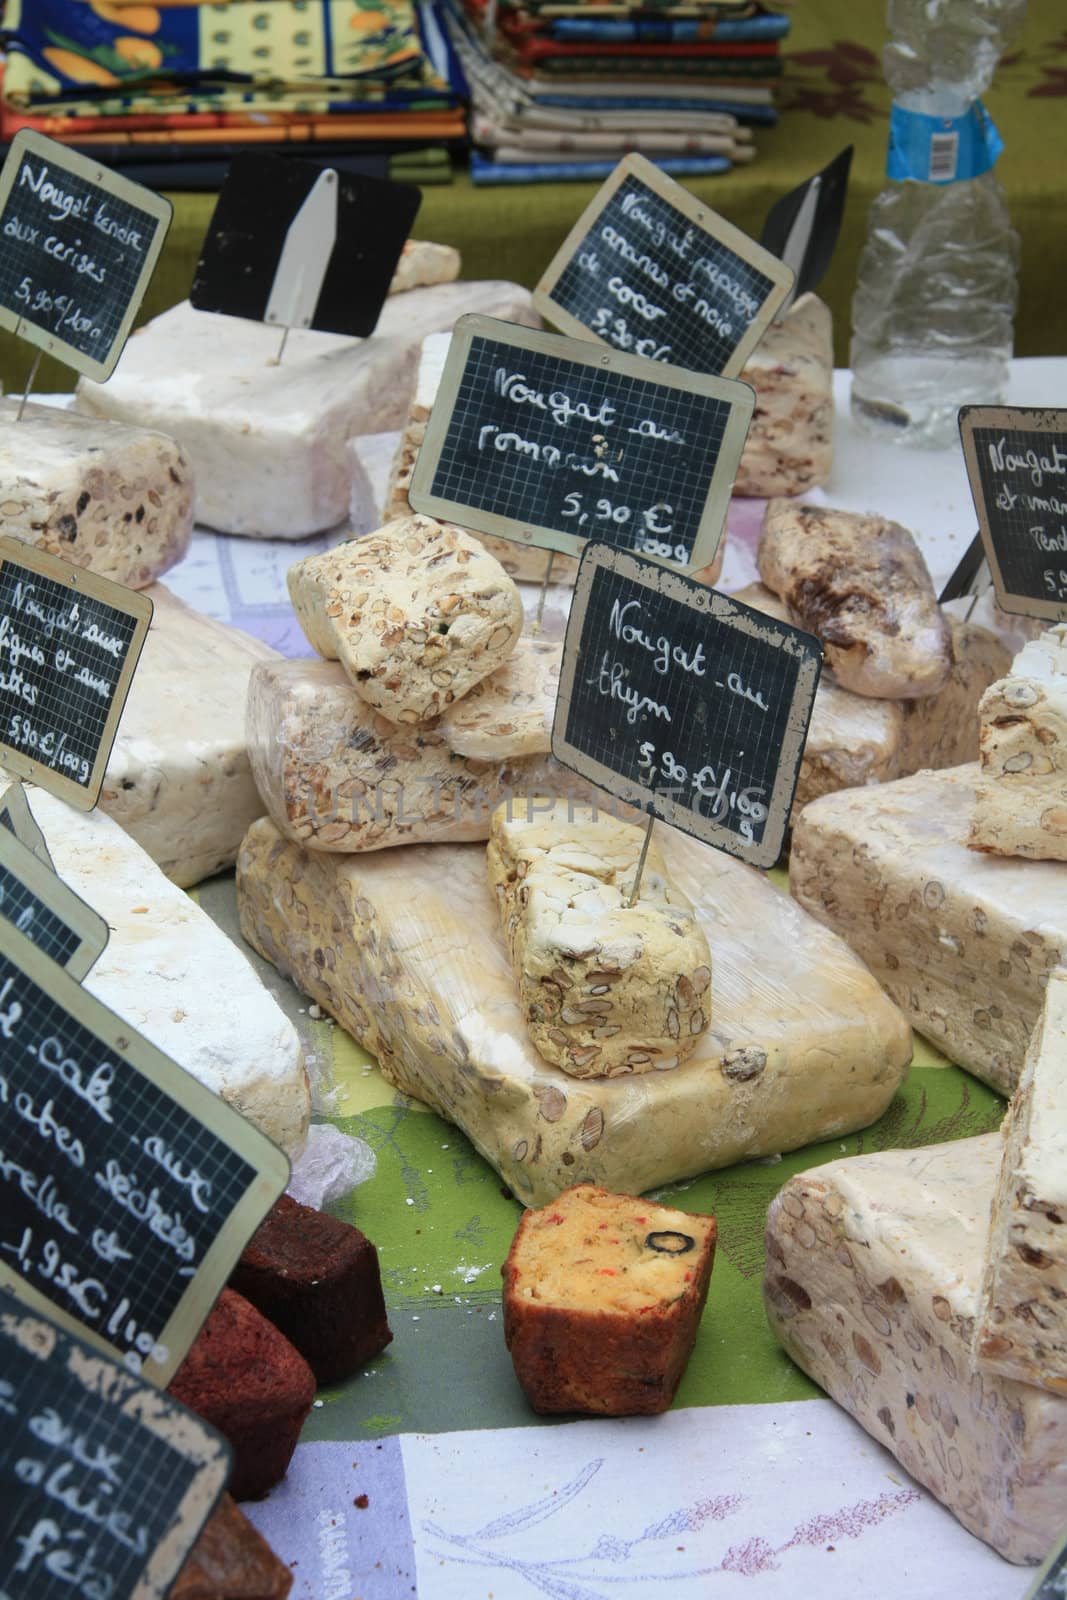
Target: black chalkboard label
[552, 441]
[648, 269]
[69, 644]
[261, 233]
[970, 575]
[105, 1483]
[684, 702]
[78, 245]
[127, 1189]
[802, 227]
[36, 901]
[1017, 465]
[17, 818]
[1051, 1581]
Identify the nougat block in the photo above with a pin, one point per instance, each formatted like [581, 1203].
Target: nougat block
[962, 942]
[423, 263]
[789, 448]
[417, 614]
[404, 949]
[268, 437]
[1020, 806]
[854, 739]
[335, 775]
[872, 1286]
[605, 988]
[1022, 1314]
[178, 779]
[603, 1295]
[509, 713]
[173, 975]
[112, 497]
[860, 584]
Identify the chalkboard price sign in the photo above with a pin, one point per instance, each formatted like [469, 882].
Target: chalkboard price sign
[105, 1483]
[127, 1189]
[78, 245]
[553, 441]
[39, 904]
[17, 818]
[648, 269]
[69, 644]
[684, 702]
[1051, 1581]
[1017, 465]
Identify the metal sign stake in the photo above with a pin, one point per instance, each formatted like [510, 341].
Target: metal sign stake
[29, 385]
[544, 592]
[641, 861]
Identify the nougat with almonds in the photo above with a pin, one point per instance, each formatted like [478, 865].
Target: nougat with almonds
[605, 988]
[416, 614]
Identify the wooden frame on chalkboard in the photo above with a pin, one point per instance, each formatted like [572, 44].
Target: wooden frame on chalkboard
[178, 1089]
[60, 1378]
[61, 159]
[125, 603]
[700, 600]
[469, 338]
[44, 885]
[695, 213]
[17, 818]
[1002, 525]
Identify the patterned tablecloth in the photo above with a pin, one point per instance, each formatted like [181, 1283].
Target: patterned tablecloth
[428, 1474]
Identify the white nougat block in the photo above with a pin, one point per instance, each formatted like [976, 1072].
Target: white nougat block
[1022, 1314]
[404, 948]
[962, 942]
[114, 498]
[336, 775]
[268, 439]
[873, 1270]
[174, 976]
[1021, 796]
[178, 779]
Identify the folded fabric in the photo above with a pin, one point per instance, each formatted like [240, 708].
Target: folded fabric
[486, 172]
[679, 30]
[224, 56]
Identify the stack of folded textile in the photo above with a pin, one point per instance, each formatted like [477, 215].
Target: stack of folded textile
[564, 88]
[169, 91]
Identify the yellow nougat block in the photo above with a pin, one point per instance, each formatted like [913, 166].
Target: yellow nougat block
[606, 988]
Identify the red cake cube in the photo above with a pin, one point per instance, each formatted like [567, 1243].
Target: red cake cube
[244, 1377]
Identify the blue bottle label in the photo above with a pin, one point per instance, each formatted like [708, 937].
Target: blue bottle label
[941, 149]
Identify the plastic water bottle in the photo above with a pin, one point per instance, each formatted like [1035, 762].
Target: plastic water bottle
[932, 311]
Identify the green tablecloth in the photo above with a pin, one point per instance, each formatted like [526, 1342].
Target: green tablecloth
[833, 94]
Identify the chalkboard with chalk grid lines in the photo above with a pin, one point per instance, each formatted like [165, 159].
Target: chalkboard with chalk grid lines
[1023, 563]
[77, 714]
[692, 341]
[152, 1281]
[105, 305]
[651, 473]
[709, 725]
[154, 1476]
